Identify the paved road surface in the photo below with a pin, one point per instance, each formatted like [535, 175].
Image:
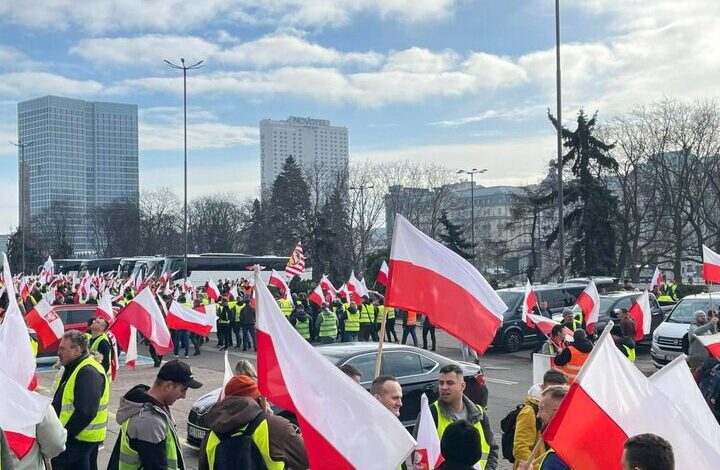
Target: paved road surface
[508, 378]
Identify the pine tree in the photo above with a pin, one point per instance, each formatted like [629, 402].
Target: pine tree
[256, 235]
[452, 237]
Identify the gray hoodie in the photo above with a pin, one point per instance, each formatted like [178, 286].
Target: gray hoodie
[50, 442]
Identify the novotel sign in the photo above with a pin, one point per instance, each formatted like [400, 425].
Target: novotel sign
[307, 121]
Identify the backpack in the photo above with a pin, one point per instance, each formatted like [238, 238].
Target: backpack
[508, 424]
[239, 452]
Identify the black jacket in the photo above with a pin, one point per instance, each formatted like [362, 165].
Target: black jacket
[565, 355]
[89, 387]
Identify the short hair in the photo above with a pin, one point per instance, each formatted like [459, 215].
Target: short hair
[624, 310]
[107, 323]
[649, 452]
[350, 371]
[556, 329]
[244, 367]
[567, 311]
[556, 392]
[452, 368]
[379, 382]
[77, 339]
[579, 335]
[554, 377]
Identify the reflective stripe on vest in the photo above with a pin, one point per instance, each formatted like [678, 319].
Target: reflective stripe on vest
[261, 438]
[94, 347]
[96, 430]
[286, 307]
[366, 314]
[328, 327]
[34, 346]
[444, 422]
[572, 368]
[303, 327]
[129, 459]
[380, 314]
[630, 353]
[390, 313]
[352, 322]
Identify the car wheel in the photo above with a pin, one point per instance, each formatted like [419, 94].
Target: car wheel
[512, 341]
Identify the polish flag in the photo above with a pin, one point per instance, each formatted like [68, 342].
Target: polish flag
[213, 292]
[226, 377]
[131, 354]
[428, 277]
[711, 343]
[278, 281]
[356, 288]
[529, 305]
[144, 314]
[344, 292]
[181, 317]
[546, 325]
[20, 413]
[641, 314]
[427, 452]
[316, 296]
[327, 286]
[331, 416]
[628, 405]
[711, 265]
[234, 292]
[16, 357]
[105, 308]
[24, 288]
[382, 276]
[46, 323]
[589, 303]
[657, 278]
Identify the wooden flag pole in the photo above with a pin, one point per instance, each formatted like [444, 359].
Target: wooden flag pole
[381, 340]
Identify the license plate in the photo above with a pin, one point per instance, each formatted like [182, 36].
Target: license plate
[196, 432]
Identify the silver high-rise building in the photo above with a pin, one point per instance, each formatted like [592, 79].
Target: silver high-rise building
[81, 152]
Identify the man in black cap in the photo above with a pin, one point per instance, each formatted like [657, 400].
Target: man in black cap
[148, 437]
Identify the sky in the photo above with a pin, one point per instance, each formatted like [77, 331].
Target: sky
[464, 83]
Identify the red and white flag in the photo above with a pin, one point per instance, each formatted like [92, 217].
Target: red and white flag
[529, 305]
[105, 308]
[46, 323]
[589, 303]
[227, 376]
[180, 317]
[327, 286]
[331, 416]
[213, 292]
[641, 314]
[20, 413]
[711, 265]
[628, 405]
[546, 325]
[144, 314]
[344, 292]
[316, 296]
[131, 354]
[427, 452]
[278, 280]
[428, 277]
[382, 276]
[356, 288]
[296, 263]
[657, 278]
[234, 292]
[711, 343]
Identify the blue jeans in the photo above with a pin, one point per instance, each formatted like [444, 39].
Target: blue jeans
[409, 330]
[326, 340]
[184, 337]
[350, 336]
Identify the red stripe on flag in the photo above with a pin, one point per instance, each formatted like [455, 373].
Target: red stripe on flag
[711, 272]
[176, 323]
[448, 305]
[714, 350]
[46, 335]
[578, 423]
[20, 444]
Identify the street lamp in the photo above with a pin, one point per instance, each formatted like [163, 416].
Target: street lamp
[362, 189]
[561, 197]
[21, 148]
[472, 174]
[184, 69]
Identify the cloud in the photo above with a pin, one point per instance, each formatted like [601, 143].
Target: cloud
[512, 113]
[29, 84]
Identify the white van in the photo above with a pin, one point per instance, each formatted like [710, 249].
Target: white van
[670, 339]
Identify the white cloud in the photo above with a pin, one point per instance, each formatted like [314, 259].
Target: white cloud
[28, 84]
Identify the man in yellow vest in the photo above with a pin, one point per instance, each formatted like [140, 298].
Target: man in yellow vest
[99, 343]
[351, 323]
[148, 437]
[81, 399]
[453, 405]
[367, 320]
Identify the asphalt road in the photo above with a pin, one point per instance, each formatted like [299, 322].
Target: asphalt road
[508, 378]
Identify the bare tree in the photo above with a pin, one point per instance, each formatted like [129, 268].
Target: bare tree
[54, 227]
[116, 229]
[215, 223]
[160, 222]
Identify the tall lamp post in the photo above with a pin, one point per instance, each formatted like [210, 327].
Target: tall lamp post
[558, 111]
[472, 174]
[184, 69]
[362, 189]
[21, 148]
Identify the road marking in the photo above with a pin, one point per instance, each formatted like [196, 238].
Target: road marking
[500, 381]
[495, 368]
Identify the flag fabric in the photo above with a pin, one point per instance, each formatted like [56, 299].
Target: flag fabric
[328, 286]
[46, 323]
[541, 364]
[213, 292]
[226, 377]
[344, 292]
[427, 452]
[545, 325]
[131, 353]
[180, 317]
[316, 296]
[711, 265]
[711, 343]
[617, 409]
[144, 314]
[657, 278]
[529, 305]
[16, 356]
[234, 292]
[589, 303]
[20, 413]
[277, 280]
[382, 276]
[641, 314]
[296, 263]
[332, 412]
[114, 361]
[428, 277]
[105, 308]
[355, 288]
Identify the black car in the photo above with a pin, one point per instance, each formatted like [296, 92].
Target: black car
[417, 371]
[611, 303]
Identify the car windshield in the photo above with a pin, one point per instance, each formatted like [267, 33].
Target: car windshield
[511, 299]
[684, 311]
[606, 303]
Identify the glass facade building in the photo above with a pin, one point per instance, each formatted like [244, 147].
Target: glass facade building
[81, 152]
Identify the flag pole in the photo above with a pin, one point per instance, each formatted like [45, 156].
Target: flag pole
[381, 341]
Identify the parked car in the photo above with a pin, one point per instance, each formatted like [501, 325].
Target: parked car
[610, 305]
[416, 369]
[74, 317]
[514, 333]
[670, 339]
[603, 283]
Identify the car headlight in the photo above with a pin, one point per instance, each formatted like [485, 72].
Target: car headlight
[655, 336]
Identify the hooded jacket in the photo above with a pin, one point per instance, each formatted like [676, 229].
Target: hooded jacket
[147, 429]
[565, 355]
[696, 348]
[526, 431]
[231, 414]
[49, 443]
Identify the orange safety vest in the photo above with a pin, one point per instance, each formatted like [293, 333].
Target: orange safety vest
[411, 319]
[572, 368]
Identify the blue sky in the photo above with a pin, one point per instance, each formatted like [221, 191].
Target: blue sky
[460, 82]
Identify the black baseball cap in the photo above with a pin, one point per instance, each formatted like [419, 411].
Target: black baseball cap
[178, 372]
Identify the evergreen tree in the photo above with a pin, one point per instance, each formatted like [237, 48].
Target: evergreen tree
[288, 209]
[256, 235]
[592, 208]
[451, 236]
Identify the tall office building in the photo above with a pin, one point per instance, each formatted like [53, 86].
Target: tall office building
[317, 146]
[81, 152]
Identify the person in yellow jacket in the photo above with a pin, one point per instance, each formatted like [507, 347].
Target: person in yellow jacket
[549, 403]
[81, 399]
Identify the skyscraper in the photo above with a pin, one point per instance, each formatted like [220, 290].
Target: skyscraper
[80, 152]
[321, 149]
